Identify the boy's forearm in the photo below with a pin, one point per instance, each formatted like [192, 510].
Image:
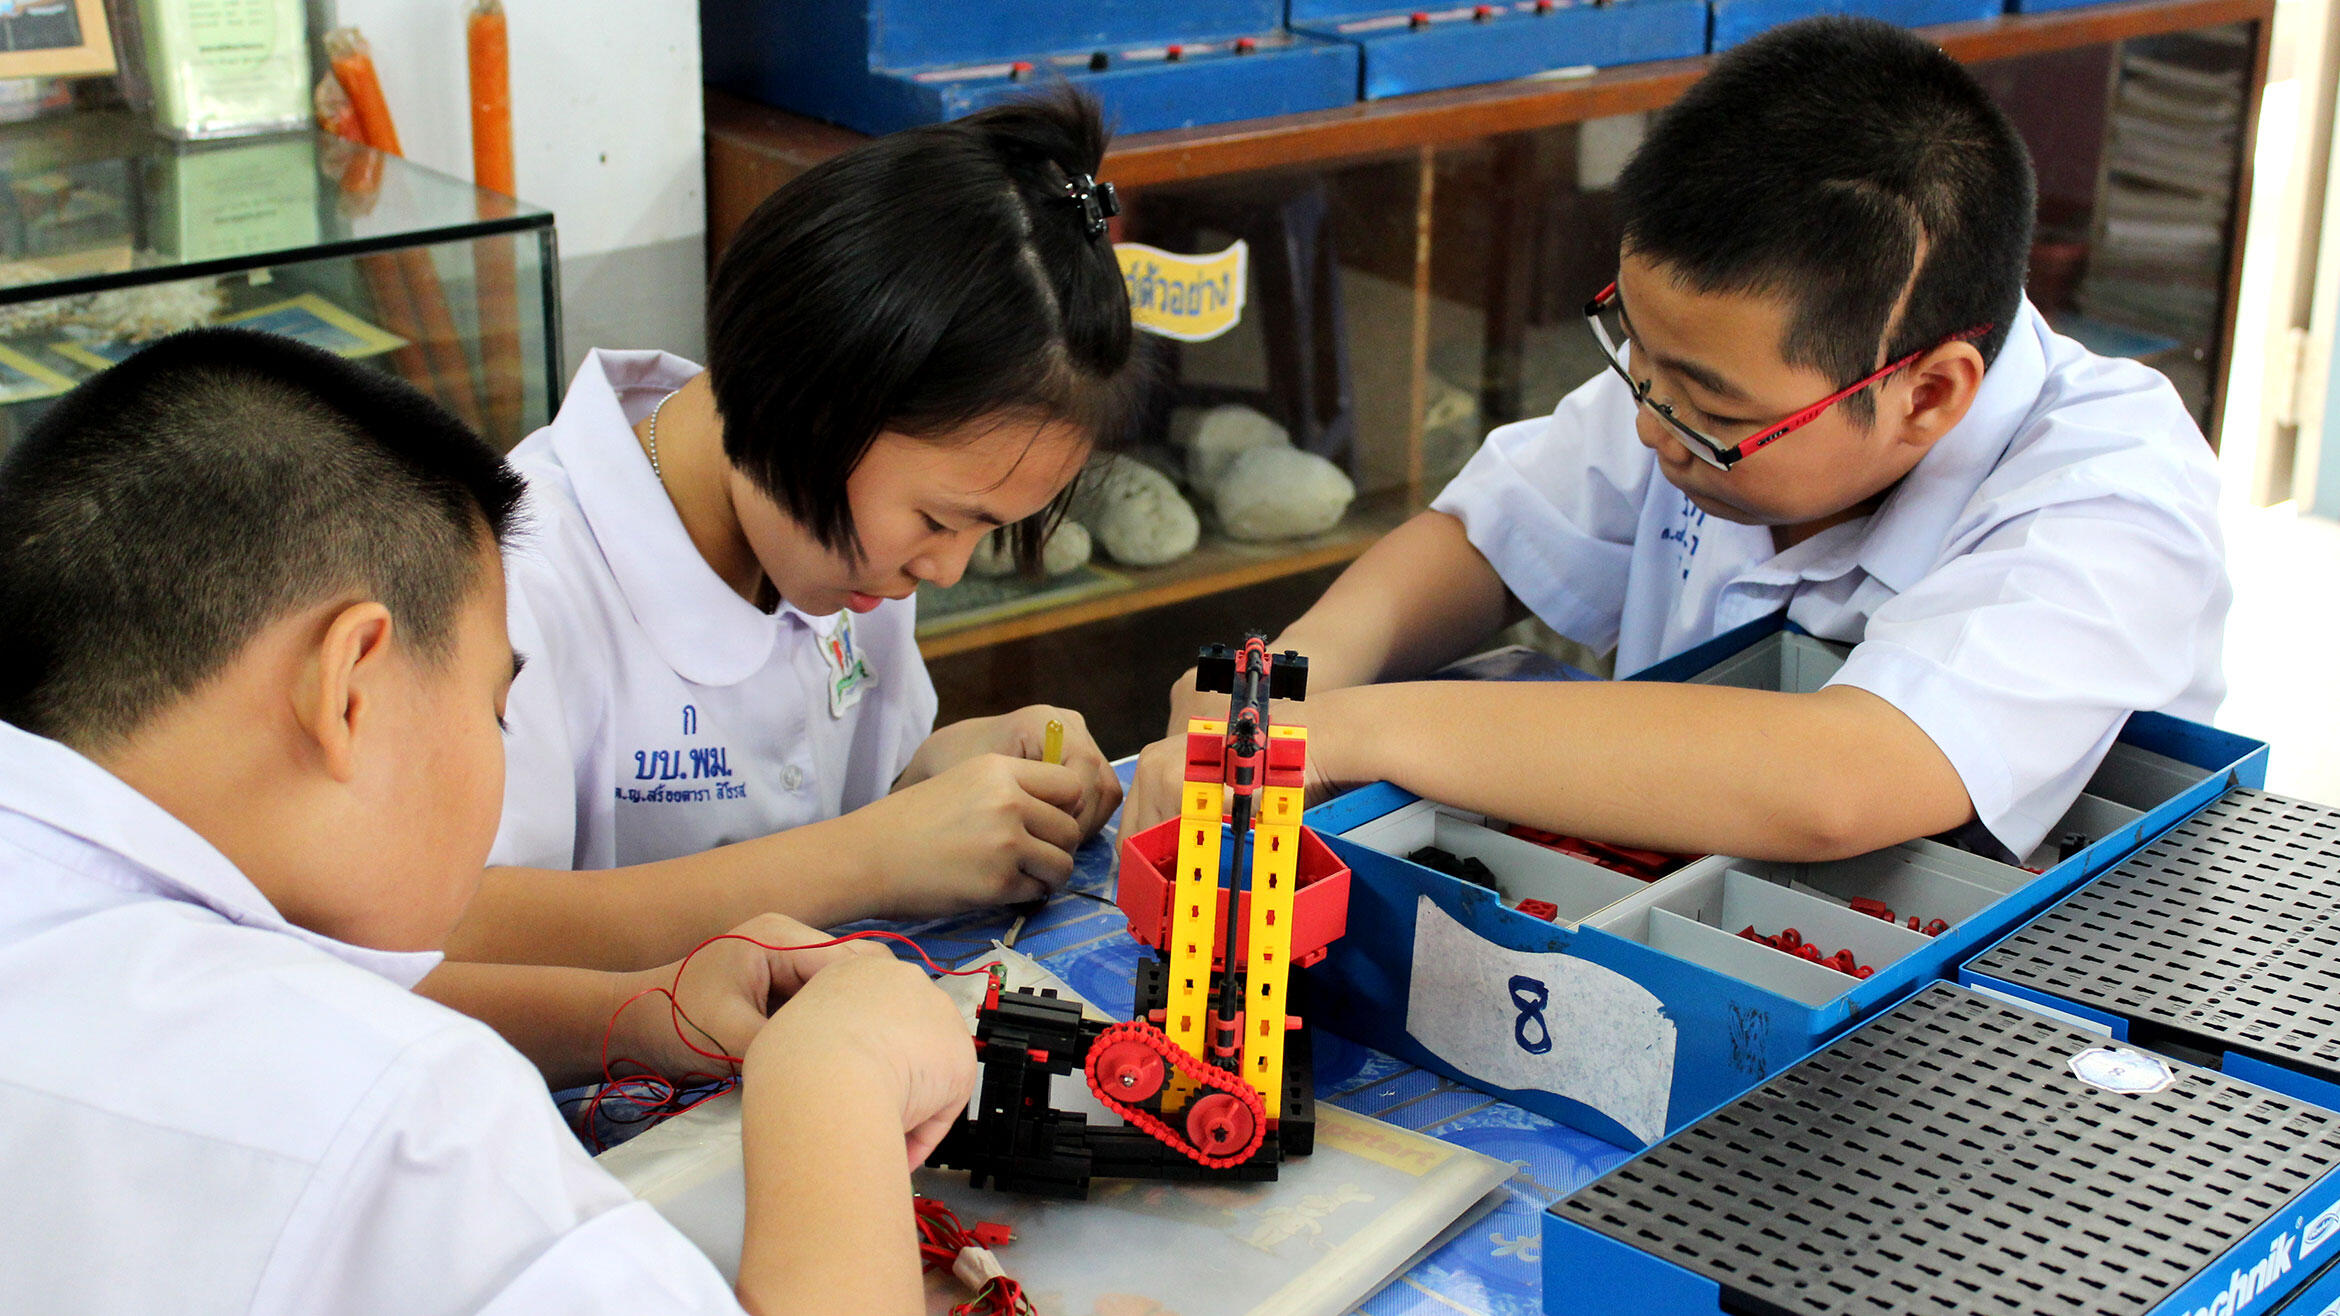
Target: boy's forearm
[555, 1017]
[1685, 769]
[1417, 600]
[648, 914]
[829, 1226]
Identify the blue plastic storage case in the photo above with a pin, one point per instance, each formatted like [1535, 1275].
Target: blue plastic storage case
[1640, 1008]
[1410, 49]
[881, 65]
[1957, 1154]
[2219, 943]
[1738, 20]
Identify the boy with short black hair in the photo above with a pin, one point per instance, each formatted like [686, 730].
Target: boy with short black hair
[1828, 395]
[254, 667]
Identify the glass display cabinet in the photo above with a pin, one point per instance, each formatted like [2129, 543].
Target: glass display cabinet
[111, 237]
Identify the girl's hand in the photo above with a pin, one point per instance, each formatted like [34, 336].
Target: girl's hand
[1023, 734]
[726, 991]
[991, 831]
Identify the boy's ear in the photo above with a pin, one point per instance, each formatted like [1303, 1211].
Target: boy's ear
[343, 682]
[1938, 389]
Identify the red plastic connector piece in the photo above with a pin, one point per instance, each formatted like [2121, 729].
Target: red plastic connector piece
[1936, 928]
[1019, 71]
[1418, 19]
[1790, 939]
[1482, 13]
[1863, 971]
[1543, 909]
[1872, 908]
[1245, 45]
[992, 1235]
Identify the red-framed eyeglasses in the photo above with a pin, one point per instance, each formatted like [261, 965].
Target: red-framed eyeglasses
[1713, 451]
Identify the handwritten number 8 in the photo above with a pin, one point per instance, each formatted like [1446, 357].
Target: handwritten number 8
[1530, 996]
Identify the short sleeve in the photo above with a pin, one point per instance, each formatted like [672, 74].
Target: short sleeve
[454, 1187]
[2023, 656]
[539, 827]
[1553, 504]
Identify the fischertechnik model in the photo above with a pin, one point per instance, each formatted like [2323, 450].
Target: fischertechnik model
[1212, 1076]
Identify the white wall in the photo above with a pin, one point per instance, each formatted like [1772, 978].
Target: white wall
[607, 133]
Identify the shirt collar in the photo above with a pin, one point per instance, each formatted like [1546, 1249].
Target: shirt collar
[700, 626]
[1906, 535]
[58, 788]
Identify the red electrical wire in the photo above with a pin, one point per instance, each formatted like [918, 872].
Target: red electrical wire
[941, 1237]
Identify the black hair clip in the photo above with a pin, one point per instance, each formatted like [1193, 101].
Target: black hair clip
[1098, 201]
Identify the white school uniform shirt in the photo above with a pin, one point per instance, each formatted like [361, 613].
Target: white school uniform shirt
[204, 1108]
[2053, 564]
[660, 714]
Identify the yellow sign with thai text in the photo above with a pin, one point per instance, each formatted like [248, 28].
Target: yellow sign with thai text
[1190, 298]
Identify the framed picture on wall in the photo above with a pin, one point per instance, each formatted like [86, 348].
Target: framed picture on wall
[54, 39]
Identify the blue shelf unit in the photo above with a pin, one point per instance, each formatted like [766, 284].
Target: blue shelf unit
[881, 65]
[1638, 1007]
[1736, 21]
[1957, 1154]
[1406, 49]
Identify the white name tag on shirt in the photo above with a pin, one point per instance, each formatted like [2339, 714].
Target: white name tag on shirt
[849, 674]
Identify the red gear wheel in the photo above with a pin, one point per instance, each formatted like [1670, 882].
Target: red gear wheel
[1219, 1122]
[1107, 1086]
[1129, 1069]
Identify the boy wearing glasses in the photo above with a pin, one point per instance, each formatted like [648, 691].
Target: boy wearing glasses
[1828, 395]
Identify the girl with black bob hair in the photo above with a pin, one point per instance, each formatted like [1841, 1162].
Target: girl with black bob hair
[911, 345]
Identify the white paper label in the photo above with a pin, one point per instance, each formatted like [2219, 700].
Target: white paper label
[1540, 1021]
[2119, 1069]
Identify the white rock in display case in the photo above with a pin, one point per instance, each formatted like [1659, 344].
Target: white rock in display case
[1135, 513]
[1281, 493]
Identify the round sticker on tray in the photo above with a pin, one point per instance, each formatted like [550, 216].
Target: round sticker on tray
[2118, 1069]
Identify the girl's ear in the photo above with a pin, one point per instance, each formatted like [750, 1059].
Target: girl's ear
[338, 692]
[1940, 388]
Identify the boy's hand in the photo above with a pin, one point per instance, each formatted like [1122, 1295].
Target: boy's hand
[1161, 773]
[1021, 734]
[727, 990]
[874, 1022]
[992, 830]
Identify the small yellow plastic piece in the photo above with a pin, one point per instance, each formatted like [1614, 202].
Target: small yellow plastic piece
[1275, 867]
[1194, 922]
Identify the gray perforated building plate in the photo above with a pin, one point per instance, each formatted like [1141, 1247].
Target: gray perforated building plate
[1944, 1158]
[2224, 935]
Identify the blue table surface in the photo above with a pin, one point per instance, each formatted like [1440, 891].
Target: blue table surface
[1494, 1268]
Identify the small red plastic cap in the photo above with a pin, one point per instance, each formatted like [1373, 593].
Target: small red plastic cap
[1245, 45]
[1543, 6]
[1018, 69]
[1173, 52]
[1418, 19]
[1482, 13]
